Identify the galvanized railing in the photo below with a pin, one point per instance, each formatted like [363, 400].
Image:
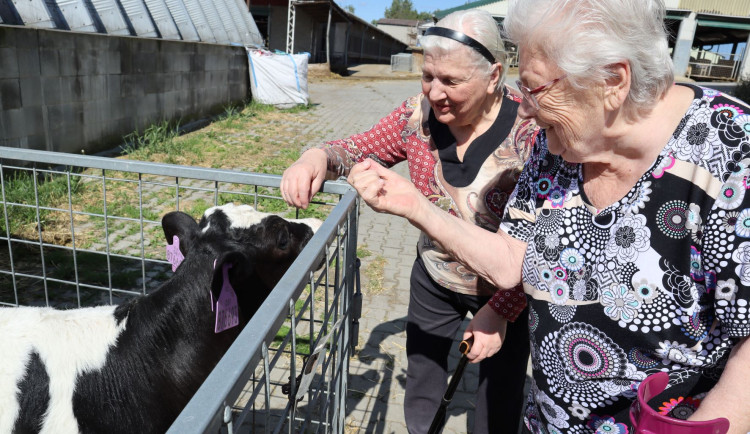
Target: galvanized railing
[286, 372]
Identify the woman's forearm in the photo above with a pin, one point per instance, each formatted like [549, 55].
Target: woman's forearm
[494, 256]
[730, 397]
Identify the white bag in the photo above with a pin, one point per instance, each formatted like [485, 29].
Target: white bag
[278, 79]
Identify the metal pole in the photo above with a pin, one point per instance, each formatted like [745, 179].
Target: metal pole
[328, 36]
[290, 18]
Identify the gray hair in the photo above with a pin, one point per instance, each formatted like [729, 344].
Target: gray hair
[479, 25]
[584, 37]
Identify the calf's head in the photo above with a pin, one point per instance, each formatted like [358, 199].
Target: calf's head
[250, 248]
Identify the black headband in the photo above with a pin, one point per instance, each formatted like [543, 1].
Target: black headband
[462, 38]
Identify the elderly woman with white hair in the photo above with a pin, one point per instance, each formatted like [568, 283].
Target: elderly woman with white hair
[465, 147]
[629, 228]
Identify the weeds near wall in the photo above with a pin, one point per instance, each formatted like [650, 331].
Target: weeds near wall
[156, 139]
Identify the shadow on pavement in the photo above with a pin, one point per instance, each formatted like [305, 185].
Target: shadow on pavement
[374, 381]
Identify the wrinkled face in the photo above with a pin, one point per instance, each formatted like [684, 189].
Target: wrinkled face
[571, 118]
[455, 89]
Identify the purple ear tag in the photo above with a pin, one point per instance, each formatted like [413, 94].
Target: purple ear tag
[174, 255]
[227, 312]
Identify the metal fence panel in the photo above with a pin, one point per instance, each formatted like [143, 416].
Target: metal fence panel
[140, 19]
[80, 230]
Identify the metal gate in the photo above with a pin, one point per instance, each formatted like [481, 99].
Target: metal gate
[84, 230]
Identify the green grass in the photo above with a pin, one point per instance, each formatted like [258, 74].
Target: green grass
[303, 343]
[298, 108]
[255, 108]
[198, 207]
[277, 163]
[155, 139]
[374, 273]
[253, 137]
[52, 191]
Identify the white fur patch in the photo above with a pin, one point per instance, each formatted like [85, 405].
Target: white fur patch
[240, 216]
[244, 216]
[69, 343]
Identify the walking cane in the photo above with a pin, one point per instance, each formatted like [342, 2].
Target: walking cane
[437, 422]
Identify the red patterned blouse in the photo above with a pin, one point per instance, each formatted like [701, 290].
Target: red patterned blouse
[474, 188]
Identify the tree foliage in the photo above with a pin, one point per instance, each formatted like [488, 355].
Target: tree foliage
[404, 9]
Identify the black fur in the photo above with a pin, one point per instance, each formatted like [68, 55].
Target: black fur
[33, 397]
[169, 346]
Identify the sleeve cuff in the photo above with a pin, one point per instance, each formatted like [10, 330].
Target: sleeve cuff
[508, 303]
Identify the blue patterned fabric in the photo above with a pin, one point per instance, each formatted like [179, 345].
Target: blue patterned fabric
[658, 281]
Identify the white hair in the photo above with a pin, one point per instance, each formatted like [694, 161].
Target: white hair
[584, 37]
[479, 25]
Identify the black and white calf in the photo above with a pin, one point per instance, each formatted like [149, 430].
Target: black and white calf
[132, 368]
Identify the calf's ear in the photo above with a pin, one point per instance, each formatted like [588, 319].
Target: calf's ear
[183, 226]
[239, 270]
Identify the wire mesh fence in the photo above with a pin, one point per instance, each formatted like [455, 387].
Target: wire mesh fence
[83, 231]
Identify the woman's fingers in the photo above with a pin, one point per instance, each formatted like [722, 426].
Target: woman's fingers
[369, 184]
[365, 179]
[302, 190]
[303, 179]
[296, 185]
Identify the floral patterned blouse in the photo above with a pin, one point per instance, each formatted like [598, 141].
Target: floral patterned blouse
[658, 281]
[475, 188]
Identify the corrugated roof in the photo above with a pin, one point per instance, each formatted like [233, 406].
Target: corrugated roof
[398, 22]
[739, 8]
[216, 21]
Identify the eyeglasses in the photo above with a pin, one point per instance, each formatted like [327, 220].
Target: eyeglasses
[528, 94]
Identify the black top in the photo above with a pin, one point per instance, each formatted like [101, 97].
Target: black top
[461, 174]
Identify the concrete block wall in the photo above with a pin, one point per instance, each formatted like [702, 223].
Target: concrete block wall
[80, 92]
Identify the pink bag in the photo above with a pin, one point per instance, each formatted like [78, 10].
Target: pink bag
[646, 420]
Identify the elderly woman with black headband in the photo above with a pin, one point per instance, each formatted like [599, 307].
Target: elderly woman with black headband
[465, 148]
